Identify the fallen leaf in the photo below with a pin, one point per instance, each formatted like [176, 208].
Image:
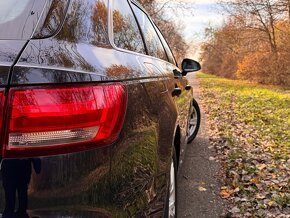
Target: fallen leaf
[260, 196]
[202, 189]
[261, 166]
[226, 193]
[211, 158]
[270, 203]
[236, 189]
[255, 180]
[235, 210]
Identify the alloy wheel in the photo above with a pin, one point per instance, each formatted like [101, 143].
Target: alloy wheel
[194, 121]
[172, 192]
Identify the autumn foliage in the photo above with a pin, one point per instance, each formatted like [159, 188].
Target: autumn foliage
[253, 43]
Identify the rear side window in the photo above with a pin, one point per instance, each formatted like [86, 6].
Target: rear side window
[126, 32]
[53, 16]
[86, 22]
[152, 41]
[18, 18]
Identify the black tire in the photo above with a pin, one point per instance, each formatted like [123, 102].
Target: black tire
[193, 128]
[174, 161]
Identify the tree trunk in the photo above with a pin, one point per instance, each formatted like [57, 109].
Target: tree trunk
[288, 10]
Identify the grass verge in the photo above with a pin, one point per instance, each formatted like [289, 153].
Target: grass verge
[249, 126]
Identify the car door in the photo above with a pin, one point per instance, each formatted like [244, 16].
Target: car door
[181, 91]
[158, 91]
[176, 84]
[151, 116]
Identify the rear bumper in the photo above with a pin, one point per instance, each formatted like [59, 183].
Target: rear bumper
[63, 180]
[78, 185]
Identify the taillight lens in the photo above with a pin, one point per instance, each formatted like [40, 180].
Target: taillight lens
[54, 120]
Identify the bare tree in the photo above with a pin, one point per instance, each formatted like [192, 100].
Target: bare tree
[259, 15]
[252, 44]
[172, 30]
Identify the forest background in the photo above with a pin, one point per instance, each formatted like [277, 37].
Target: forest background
[253, 42]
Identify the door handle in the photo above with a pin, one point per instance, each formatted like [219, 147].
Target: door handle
[176, 92]
[187, 87]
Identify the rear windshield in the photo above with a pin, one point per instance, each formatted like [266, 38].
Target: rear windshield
[19, 18]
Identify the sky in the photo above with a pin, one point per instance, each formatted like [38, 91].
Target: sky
[204, 13]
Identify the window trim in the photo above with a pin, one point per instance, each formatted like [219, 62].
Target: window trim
[59, 27]
[139, 27]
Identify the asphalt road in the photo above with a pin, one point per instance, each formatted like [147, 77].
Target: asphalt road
[197, 178]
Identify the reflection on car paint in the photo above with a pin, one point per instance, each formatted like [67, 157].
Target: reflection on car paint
[124, 179]
[16, 175]
[9, 50]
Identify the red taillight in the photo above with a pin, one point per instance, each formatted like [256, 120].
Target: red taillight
[51, 120]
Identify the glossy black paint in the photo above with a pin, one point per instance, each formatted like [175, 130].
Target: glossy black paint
[189, 65]
[125, 179]
[9, 50]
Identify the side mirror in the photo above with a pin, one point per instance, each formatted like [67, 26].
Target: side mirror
[189, 65]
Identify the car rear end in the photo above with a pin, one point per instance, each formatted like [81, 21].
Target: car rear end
[76, 140]
[57, 123]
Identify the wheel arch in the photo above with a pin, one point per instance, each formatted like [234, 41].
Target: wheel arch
[177, 143]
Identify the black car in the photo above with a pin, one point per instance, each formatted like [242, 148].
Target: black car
[95, 113]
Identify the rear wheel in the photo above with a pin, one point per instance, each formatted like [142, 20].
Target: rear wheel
[194, 121]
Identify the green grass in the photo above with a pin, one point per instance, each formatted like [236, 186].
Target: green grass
[262, 113]
[249, 125]
[283, 200]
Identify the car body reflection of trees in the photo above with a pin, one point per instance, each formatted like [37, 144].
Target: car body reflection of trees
[128, 178]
